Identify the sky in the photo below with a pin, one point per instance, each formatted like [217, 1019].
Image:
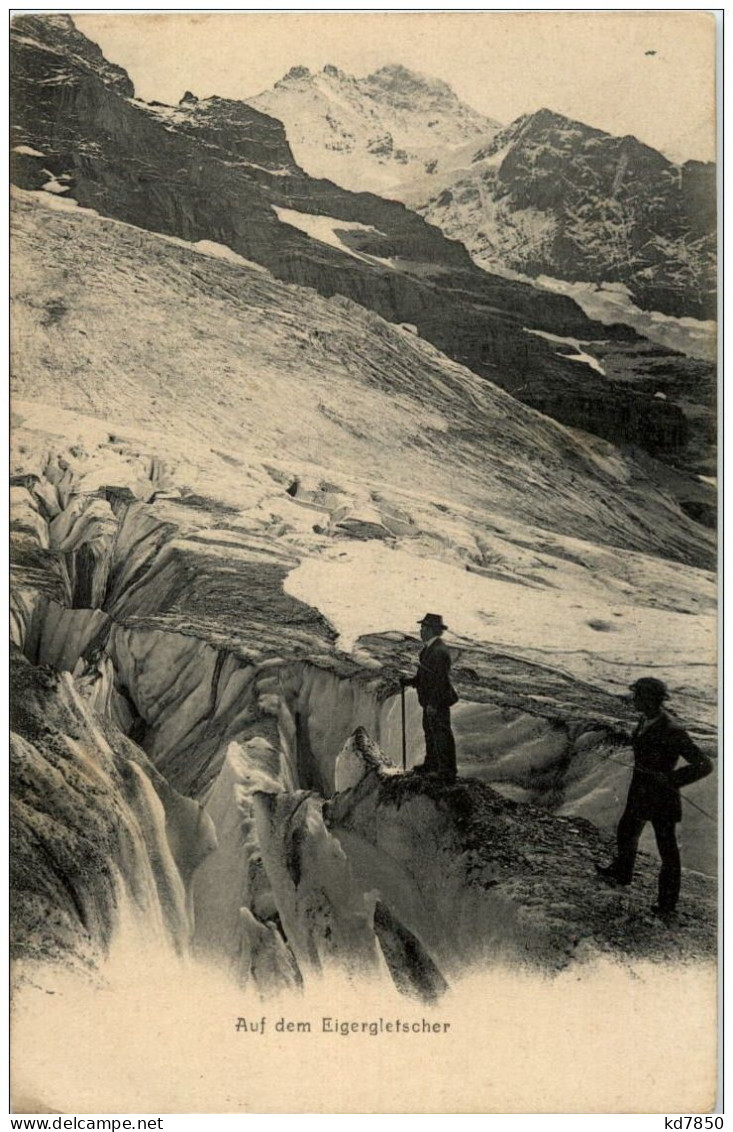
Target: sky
[649, 73]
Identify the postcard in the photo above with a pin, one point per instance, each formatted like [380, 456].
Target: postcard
[363, 563]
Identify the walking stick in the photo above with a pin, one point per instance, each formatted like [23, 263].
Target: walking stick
[404, 738]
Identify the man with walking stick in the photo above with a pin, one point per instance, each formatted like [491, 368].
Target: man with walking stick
[654, 794]
[436, 696]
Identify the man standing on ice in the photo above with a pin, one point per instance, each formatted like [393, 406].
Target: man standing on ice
[436, 696]
[654, 794]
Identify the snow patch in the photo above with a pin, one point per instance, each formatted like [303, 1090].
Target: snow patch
[172, 113]
[27, 151]
[29, 41]
[579, 356]
[367, 587]
[281, 172]
[221, 251]
[496, 159]
[611, 302]
[326, 230]
[54, 186]
[53, 201]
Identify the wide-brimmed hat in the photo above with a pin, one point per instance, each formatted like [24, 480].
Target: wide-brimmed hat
[650, 686]
[433, 621]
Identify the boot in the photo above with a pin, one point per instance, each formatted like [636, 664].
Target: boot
[609, 873]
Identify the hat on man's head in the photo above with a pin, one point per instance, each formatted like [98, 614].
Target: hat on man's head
[433, 621]
[650, 686]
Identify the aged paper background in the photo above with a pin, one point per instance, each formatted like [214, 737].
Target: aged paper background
[601, 1038]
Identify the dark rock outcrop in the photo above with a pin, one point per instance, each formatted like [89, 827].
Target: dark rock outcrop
[410, 966]
[553, 196]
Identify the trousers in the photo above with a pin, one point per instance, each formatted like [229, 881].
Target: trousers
[630, 829]
[440, 746]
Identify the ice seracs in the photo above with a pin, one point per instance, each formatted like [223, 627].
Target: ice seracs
[358, 757]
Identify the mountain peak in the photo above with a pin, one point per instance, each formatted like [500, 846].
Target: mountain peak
[405, 74]
[295, 73]
[398, 70]
[545, 114]
[43, 26]
[569, 131]
[376, 132]
[55, 33]
[396, 77]
[547, 119]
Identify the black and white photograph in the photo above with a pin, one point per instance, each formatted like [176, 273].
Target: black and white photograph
[363, 562]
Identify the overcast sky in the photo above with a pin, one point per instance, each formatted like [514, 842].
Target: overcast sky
[645, 73]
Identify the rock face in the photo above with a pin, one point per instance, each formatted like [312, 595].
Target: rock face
[552, 196]
[242, 189]
[58, 35]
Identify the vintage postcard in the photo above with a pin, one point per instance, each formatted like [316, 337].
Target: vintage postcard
[363, 562]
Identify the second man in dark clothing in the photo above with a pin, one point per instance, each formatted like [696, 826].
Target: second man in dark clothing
[654, 793]
[436, 696]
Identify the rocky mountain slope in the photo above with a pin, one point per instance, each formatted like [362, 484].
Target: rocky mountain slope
[371, 395]
[543, 195]
[551, 196]
[222, 171]
[379, 133]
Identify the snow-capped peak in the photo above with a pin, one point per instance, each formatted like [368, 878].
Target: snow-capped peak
[379, 132]
[398, 84]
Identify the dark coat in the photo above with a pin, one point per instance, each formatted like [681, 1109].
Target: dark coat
[655, 785]
[433, 684]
